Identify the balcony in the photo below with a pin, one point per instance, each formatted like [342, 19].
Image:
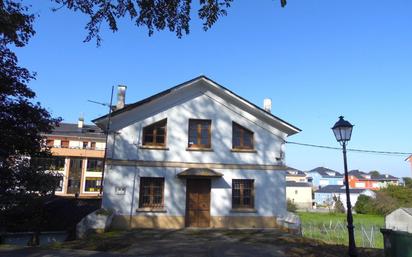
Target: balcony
[78, 152]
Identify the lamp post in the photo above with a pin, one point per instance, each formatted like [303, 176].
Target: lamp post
[343, 132]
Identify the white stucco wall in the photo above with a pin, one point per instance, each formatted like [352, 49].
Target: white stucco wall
[399, 220]
[301, 196]
[124, 144]
[269, 191]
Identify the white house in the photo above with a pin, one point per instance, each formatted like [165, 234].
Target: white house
[195, 155]
[325, 195]
[299, 193]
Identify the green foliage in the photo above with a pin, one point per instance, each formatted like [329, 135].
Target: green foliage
[338, 208]
[24, 187]
[386, 200]
[291, 206]
[364, 205]
[316, 226]
[408, 181]
[374, 173]
[174, 15]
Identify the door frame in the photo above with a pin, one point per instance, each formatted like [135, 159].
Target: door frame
[187, 217]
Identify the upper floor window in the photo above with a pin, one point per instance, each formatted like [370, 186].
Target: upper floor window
[95, 165]
[155, 134]
[49, 142]
[242, 138]
[65, 143]
[200, 133]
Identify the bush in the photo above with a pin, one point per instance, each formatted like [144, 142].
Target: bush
[339, 208]
[291, 206]
[365, 205]
[386, 200]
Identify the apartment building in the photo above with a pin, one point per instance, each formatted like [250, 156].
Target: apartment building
[78, 152]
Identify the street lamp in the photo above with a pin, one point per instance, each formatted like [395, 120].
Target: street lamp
[343, 132]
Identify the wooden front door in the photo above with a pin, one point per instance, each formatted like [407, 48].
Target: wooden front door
[198, 203]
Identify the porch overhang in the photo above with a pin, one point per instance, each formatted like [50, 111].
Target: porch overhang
[199, 173]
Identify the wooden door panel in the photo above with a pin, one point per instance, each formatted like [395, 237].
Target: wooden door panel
[198, 203]
[203, 219]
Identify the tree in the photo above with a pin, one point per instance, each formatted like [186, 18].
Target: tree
[338, 208]
[407, 181]
[365, 205]
[374, 173]
[21, 122]
[291, 206]
[159, 15]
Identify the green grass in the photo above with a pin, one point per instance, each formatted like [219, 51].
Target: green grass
[331, 228]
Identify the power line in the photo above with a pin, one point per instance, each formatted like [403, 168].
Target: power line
[351, 149]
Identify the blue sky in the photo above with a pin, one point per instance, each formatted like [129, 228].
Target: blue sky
[316, 59]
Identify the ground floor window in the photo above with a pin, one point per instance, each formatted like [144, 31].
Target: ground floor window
[242, 193]
[93, 184]
[151, 192]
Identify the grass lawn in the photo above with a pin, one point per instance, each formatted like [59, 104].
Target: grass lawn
[331, 228]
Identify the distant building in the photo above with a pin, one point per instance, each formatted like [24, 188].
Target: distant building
[78, 152]
[325, 195]
[399, 220]
[296, 175]
[300, 193]
[359, 179]
[321, 177]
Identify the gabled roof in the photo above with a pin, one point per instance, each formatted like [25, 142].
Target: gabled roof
[339, 189]
[360, 175]
[324, 172]
[292, 129]
[408, 210]
[297, 184]
[72, 130]
[292, 172]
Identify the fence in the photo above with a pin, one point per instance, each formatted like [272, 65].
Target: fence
[336, 232]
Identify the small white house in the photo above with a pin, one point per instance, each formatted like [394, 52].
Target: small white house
[299, 193]
[195, 155]
[399, 220]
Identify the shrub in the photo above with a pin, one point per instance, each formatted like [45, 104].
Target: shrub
[291, 206]
[339, 208]
[365, 205]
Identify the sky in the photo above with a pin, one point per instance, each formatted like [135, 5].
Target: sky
[316, 60]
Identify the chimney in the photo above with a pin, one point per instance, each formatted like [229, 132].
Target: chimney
[121, 96]
[80, 122]
[267, 104]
